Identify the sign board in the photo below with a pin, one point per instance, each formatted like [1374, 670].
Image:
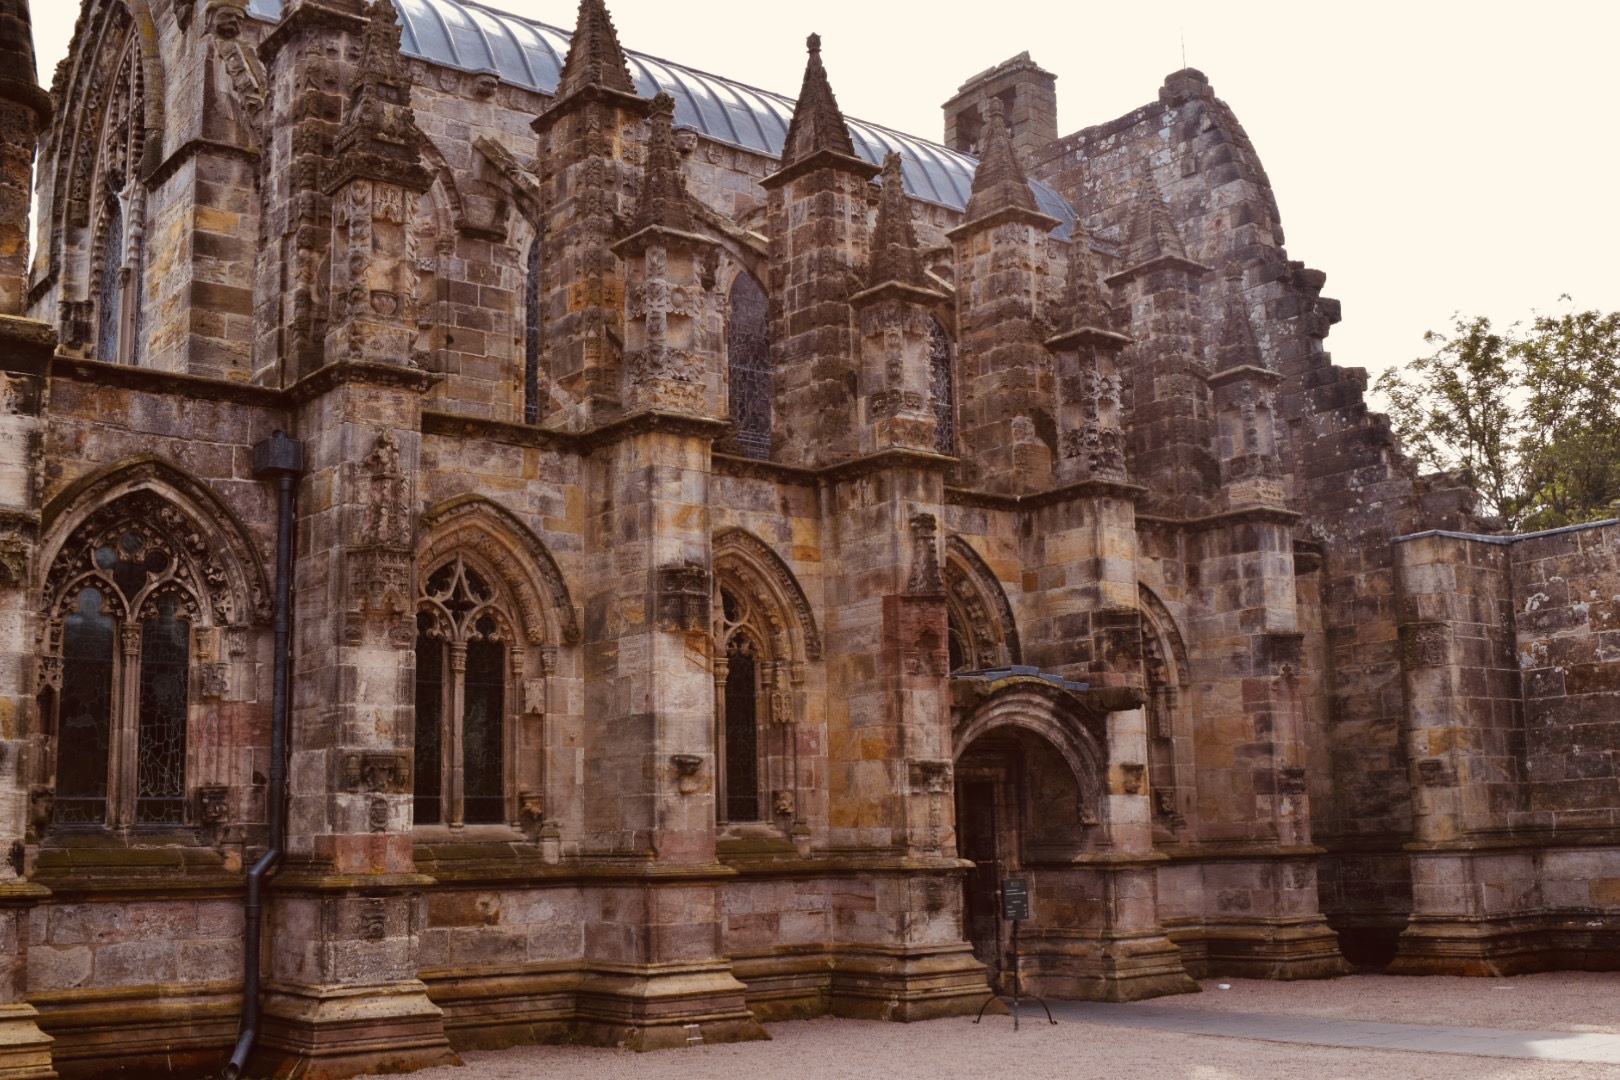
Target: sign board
[1015, 899]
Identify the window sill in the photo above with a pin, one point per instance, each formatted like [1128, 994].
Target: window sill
[99, 862]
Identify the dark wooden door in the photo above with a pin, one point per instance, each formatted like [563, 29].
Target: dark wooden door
[977, 830]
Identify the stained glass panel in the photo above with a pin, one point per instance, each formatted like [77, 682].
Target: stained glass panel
[429, 715]
[944, 388]
[84, 719]
[742, 736]
[748, 355]
[482, 747]
[160, 774]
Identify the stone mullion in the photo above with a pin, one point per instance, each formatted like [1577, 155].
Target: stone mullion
[125, 729]
[722, 667]
[455, 771]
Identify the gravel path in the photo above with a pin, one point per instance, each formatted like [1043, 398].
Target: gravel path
[1081, 1050]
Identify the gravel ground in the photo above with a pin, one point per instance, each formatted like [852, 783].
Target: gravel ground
[858, 1050]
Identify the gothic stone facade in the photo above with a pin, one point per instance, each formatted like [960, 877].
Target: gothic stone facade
[713, 571]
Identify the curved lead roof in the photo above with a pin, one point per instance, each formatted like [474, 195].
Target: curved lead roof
[471, 37]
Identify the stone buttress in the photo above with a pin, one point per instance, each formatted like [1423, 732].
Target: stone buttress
[346, 910]
[25, 351]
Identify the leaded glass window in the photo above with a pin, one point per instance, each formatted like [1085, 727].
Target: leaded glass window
[463, 668]
[84, 711]
[748, 358]
[109, 300]
[742, 733]
[120, 617]
[531, 337]
[943, 377]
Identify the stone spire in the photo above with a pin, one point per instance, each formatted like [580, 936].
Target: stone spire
[594, 55]
[1000, 181]
[1084, 305]
[663, 202]
[379, 122]
[1153, 235]
[894, 241]
[817, 123]
[1238, 345]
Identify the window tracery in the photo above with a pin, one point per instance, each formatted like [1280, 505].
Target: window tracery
[983, 634]
[124, 599]
[120, 227]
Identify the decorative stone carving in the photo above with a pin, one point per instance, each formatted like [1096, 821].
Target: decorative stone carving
[687, 770]
[379, 590]
[1425, 645]
[373, 918]
[926, 579]
[684, 597]
[215, 681]
[377, 772]
[1132, 778]
[213, 804]
[930, 776]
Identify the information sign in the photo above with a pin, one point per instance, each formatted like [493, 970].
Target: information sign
[1015, 899]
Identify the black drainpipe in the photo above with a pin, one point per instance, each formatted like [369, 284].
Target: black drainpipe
[281, 458]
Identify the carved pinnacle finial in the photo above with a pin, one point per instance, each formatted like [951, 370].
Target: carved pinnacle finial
[817, 123]
[1153, 234]
[1239, 347]
[894, 241]
[594, 55]
[1000, 181]
[379, 120]
[1084, 302]
[663, 185]
[24, 110]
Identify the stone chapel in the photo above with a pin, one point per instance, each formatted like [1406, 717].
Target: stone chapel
[506, 538]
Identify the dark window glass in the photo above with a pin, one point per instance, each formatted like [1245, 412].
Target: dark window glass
[429, 709]
[160, 775]
[748, 356]
[944, 386]
[482, 749]
[108, 306]
[742, 739]
[85, 714]
[531, 338]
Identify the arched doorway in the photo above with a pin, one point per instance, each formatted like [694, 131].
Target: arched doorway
[1028, 799]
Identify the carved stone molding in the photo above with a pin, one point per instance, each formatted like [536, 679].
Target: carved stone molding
[926, 579]
[377, 773]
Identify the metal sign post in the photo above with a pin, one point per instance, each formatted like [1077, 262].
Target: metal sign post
[1014, 906]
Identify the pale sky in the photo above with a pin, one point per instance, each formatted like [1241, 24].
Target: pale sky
[1431, 157]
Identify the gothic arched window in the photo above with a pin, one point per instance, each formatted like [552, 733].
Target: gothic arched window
[117, 674]
[748, 362]
[943, 380]
[463, 687]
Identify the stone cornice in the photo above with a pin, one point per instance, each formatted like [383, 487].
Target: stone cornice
[1192, 269]
[1273, 515]
[168, 383]
[329, 377]
[1045, 223]
[193, 148]
[634, 104]
[310, 15]
[1082, 489]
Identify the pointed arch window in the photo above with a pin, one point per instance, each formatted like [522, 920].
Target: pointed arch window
[117, 675]
[465, 674]
[748, 363]
[942, 376]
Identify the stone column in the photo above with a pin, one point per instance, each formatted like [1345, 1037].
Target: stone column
[25, 355]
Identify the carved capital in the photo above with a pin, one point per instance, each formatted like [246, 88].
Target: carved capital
[1425, 645]
[684, 598]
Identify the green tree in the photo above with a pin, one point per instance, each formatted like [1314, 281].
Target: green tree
[1533, 414]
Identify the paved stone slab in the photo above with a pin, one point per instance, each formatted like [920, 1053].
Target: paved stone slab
[1424, 1038]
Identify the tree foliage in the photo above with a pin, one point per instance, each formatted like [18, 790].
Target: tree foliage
[1533, 413]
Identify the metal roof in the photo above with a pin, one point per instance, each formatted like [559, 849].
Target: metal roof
[471, 37]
